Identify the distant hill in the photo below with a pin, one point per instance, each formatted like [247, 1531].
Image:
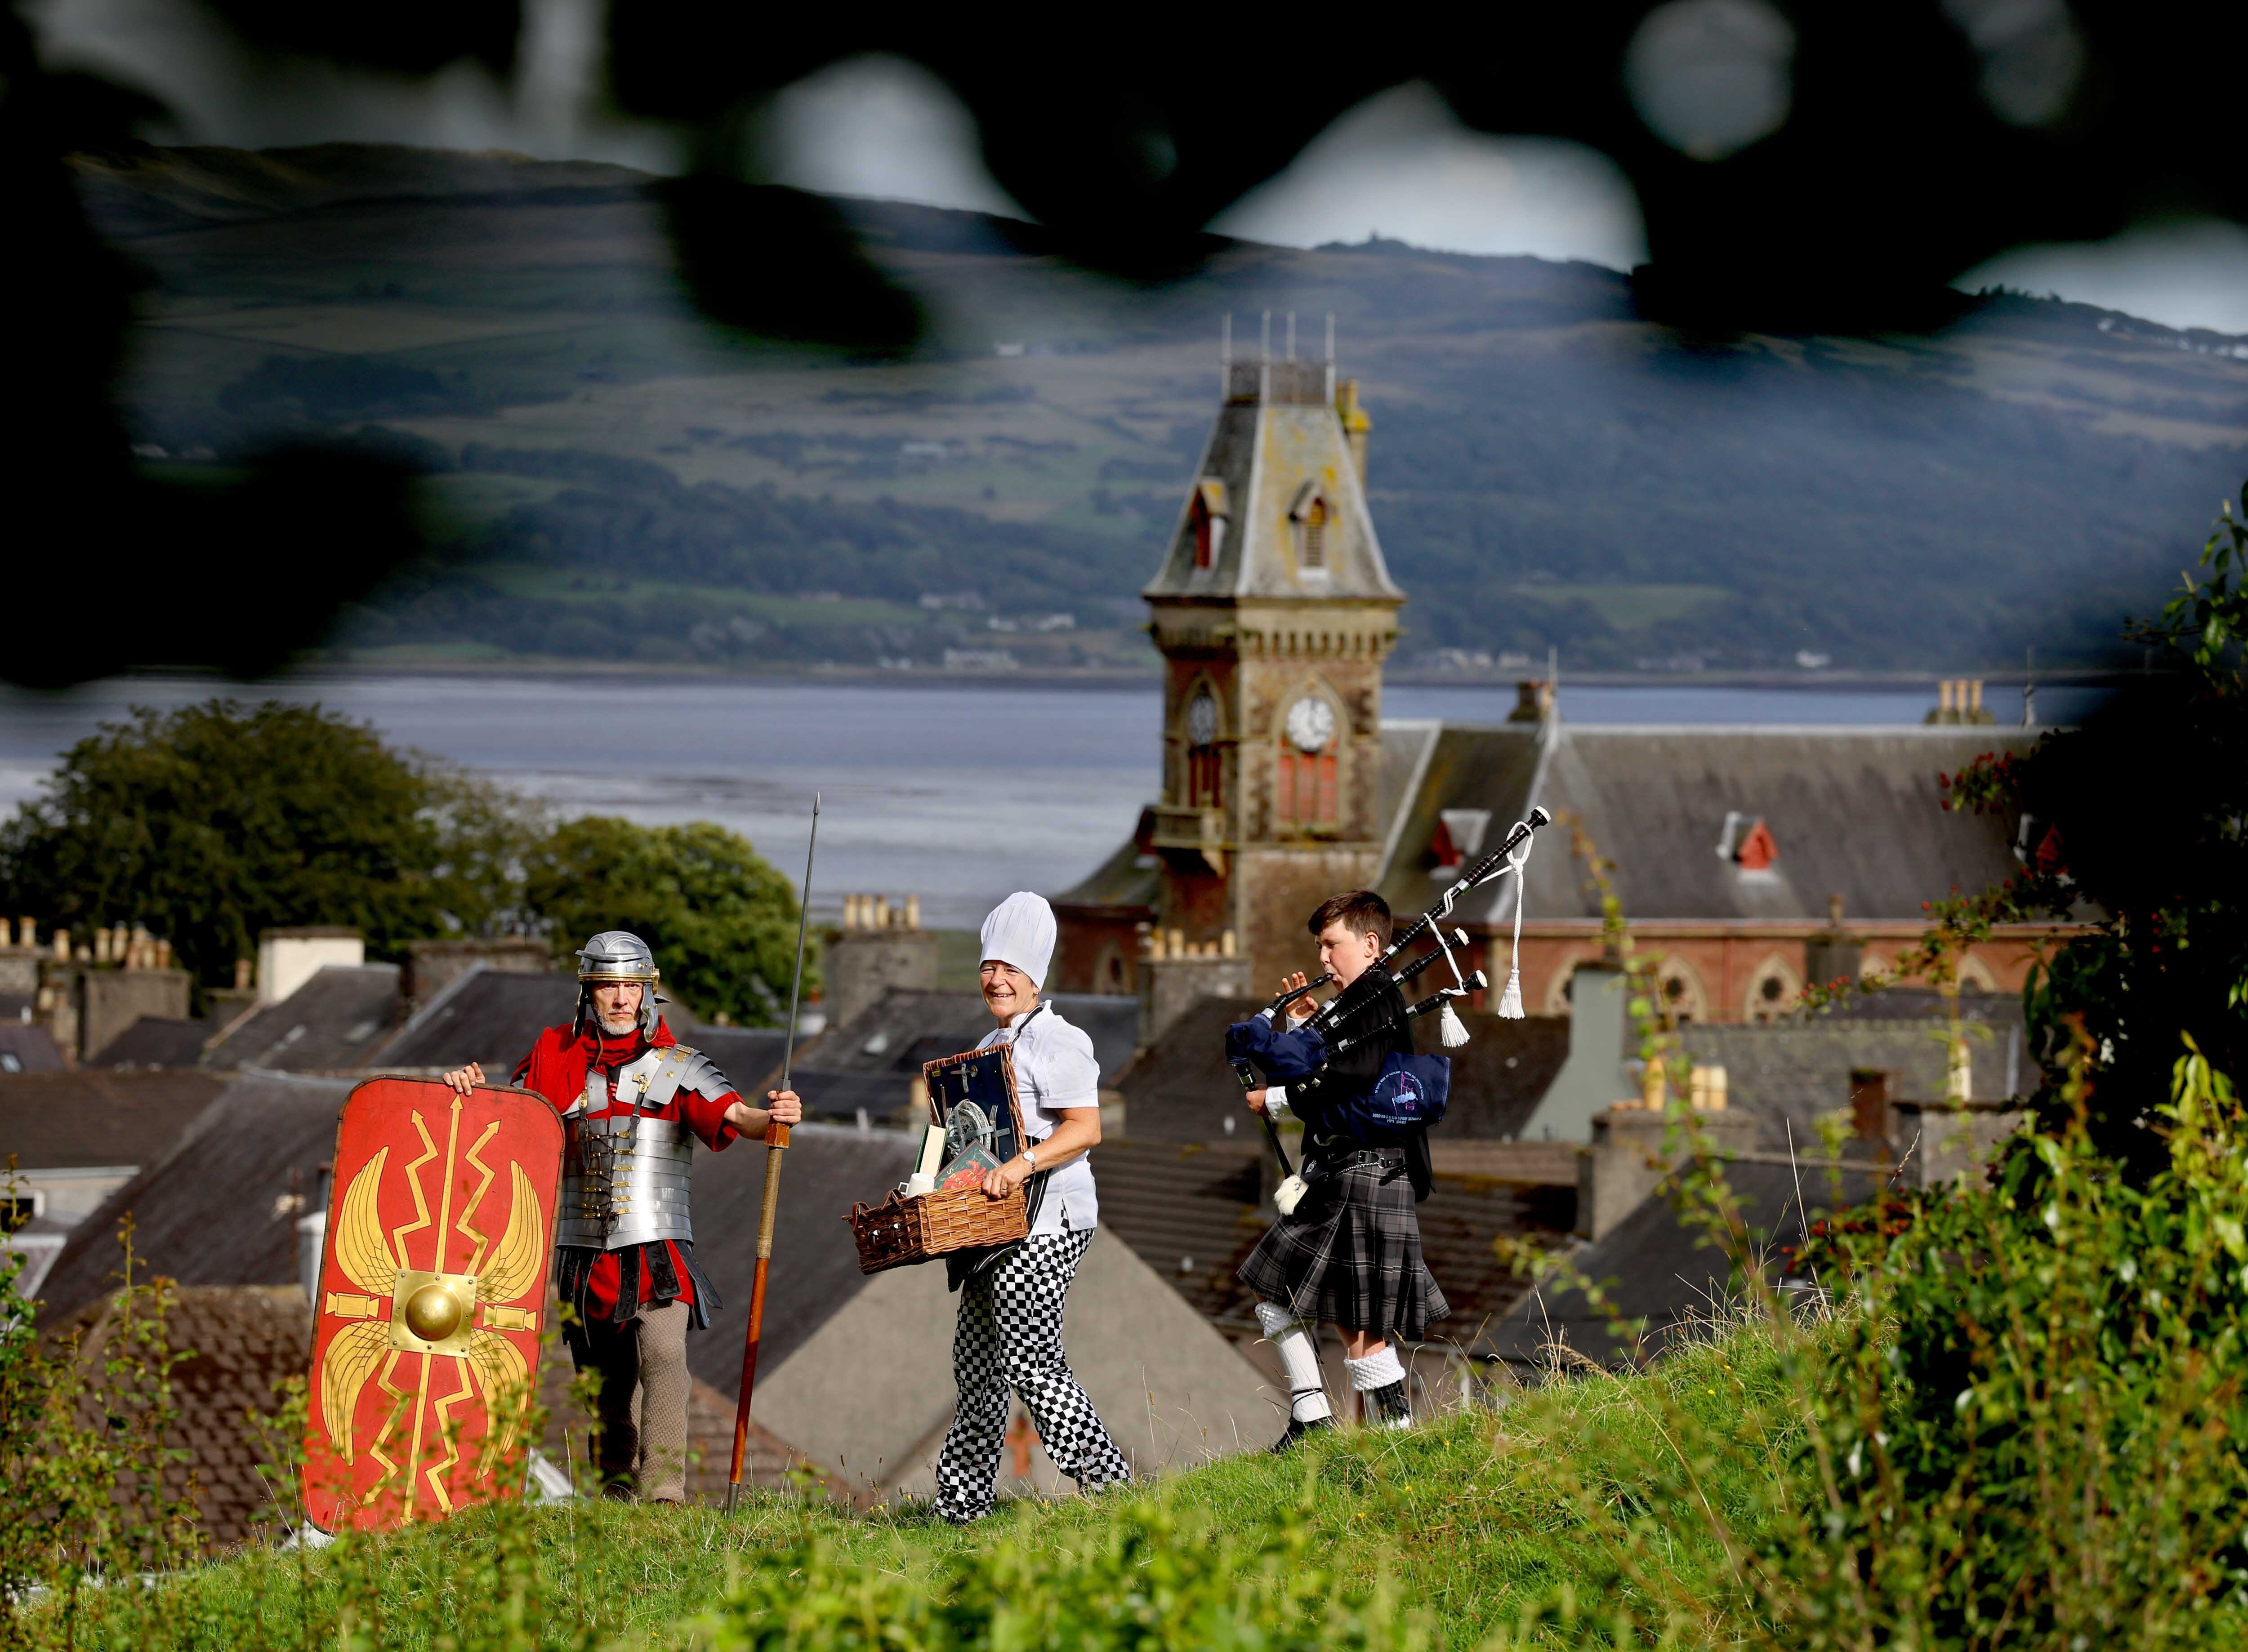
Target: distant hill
[620, 479]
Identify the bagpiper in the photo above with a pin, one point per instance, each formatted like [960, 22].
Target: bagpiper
[633, 1102]
[1008, 1334]
[1346, 1248]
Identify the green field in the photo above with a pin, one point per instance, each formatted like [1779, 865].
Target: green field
[1457, 1530]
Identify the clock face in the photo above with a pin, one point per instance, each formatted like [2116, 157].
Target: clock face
[1201, 720]
[1311, 724]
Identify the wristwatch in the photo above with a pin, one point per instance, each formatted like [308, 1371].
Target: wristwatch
[1030, 1157]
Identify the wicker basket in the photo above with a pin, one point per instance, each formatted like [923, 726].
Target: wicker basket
[900, 1231]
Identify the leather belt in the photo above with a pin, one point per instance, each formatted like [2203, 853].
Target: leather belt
[1392, 1157]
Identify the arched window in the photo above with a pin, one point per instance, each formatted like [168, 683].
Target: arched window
[1307, 779]
[1308, 511]
[1975, 975]
[1772, 992]
[1205, 773]
[1679, 986]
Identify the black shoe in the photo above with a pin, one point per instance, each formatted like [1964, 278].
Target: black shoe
[1298, 1430]
[1390, 1408]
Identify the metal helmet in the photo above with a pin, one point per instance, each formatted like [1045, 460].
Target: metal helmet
[618, 955]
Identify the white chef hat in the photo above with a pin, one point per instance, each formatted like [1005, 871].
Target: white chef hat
[1020, 931]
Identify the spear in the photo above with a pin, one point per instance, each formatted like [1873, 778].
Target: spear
[776, 1142]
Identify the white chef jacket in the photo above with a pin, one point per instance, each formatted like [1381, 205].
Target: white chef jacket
[1054, 1069]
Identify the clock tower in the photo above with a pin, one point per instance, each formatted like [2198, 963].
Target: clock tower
[1273, 612]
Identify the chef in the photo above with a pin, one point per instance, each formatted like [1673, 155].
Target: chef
[1008, 1336]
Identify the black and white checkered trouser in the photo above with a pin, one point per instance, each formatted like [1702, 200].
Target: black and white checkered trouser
[1009, 1336]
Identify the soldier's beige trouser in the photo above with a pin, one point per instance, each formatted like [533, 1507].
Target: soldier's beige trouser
[642, 1404]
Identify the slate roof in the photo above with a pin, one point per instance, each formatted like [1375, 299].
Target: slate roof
[1855, 812]
[1658, 1268]
[1789, 1072]
[89, 1117]
[1182, 1090]
[1128, 880]
[748, 1056]
[1260, 451]
[483, 1015]
[826, 1169]
[155, 1041]
[333, 1023]
[871, 1062]
[1192, 1211]
[209, 1210]
[28, 1049]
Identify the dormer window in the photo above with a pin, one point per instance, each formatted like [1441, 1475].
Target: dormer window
[1747, 842]
[1459, 833]
[1308, 512]
[1206, 517]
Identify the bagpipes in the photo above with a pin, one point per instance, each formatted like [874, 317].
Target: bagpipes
[1511, 856]
[1403, 1095]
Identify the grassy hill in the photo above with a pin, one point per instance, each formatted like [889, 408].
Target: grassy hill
[620, 479]
[1460, 1531]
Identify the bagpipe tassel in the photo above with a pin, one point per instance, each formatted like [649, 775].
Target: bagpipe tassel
[1451, 1032]
[1510, 1002]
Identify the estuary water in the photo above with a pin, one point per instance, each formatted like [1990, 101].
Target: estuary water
[956, 791]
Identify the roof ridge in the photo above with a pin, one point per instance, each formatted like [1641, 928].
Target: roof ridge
[413, 1022]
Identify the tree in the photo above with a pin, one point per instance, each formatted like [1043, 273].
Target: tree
[2138, 816]
[213, 822]
[721, 921]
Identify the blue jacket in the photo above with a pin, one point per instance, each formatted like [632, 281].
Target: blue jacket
[1408, 1094]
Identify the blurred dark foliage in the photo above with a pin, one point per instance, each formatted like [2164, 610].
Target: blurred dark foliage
[2140, 817]
[1892, 172]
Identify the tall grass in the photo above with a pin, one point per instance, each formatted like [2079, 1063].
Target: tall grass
[2012, 1421]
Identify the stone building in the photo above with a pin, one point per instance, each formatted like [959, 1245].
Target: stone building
[1751, 861]
[1273, 611]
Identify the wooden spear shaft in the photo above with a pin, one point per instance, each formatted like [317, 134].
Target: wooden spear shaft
[776, 1142]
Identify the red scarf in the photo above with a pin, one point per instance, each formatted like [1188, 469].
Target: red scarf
[563, 1056]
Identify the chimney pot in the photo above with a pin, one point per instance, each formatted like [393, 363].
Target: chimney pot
[1834, 910]
[62, 945]
[913, 912]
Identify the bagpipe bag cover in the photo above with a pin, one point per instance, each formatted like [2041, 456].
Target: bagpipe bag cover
[1283, 1056]
[1410, 1093]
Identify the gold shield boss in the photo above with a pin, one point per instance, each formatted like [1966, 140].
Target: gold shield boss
[433, 1286]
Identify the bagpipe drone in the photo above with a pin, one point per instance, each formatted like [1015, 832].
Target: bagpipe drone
[1411, 1091]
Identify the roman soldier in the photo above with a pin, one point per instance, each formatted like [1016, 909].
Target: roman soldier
[1348, 1250]
[634, 1101]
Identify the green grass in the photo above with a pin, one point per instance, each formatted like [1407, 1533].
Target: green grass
[1466, 1524]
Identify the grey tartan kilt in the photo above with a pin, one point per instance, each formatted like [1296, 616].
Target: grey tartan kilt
[1351, 1256]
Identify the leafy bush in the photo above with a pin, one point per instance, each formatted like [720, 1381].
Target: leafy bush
[215, 821]
[722, 921]
[83, 1456]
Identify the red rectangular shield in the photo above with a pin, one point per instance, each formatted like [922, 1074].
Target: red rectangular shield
[433, 1283]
